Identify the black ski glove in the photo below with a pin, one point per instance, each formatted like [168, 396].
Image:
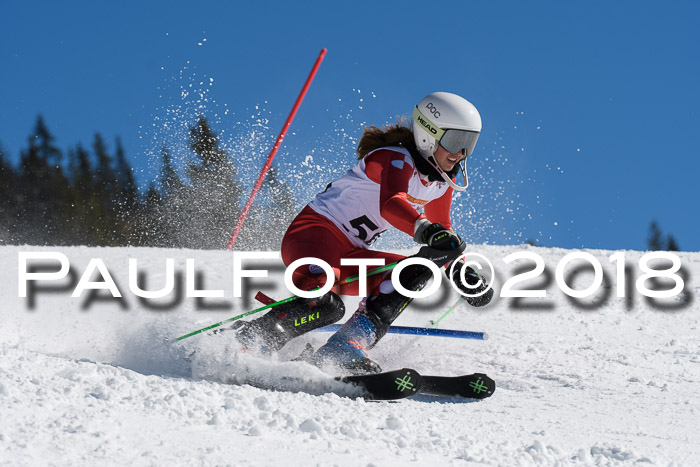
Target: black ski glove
[472, 278]
[436, 236]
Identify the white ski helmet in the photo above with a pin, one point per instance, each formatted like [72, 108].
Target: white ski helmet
[452, 122]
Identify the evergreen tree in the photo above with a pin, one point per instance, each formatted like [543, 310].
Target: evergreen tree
[81, 170]
[126, 197]
[153, 197]
[170, 180]
[164, 204]
[44, 191]
[153, 230]
[94, 200]
[671, 244]
[105, 178]
[210, 202]
[8, 199]
[31, 207]
[655, 238]
[273, 211]
[86, 199]
[57, 185]
[127, 192]
[48, 152]
[33, 168]
[111, 226]
[7, 173]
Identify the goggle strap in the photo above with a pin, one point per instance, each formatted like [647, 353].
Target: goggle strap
[430, 127]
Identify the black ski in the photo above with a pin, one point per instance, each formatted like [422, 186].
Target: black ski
[406, 382]
[475, 386]
[388, 385]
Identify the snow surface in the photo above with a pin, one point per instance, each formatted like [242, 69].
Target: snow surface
[612, 384]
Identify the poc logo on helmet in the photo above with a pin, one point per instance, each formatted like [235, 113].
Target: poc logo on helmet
[433, 110]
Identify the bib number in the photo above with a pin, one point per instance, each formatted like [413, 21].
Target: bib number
[365, 227]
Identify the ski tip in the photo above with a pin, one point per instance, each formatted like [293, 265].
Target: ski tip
[486, 337]
[480, 386]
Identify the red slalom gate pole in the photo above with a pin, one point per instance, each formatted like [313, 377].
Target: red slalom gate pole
[278, 143]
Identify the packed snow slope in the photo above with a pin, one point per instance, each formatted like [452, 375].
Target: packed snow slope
[85, 381]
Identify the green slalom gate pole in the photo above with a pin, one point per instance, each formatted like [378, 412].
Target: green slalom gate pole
[434, 324]
[347, 280]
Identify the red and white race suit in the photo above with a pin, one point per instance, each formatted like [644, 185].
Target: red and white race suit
[382, 190]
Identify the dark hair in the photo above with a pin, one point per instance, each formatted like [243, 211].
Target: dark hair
[397, 134]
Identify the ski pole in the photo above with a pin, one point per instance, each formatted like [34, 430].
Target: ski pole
[347, 280]
[426, 331]
[417, 331]
[276, 146]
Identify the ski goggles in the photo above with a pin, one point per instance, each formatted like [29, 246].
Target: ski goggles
[452, 140]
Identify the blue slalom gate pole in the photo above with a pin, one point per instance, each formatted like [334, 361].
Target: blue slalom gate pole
[421, 332]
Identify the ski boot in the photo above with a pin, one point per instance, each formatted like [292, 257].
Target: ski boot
[272, 331]
[346, 348]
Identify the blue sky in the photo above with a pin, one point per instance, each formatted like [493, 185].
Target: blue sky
[590, 109]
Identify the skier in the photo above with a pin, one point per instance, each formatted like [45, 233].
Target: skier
[400, 170]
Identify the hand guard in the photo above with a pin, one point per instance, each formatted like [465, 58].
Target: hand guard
[436, 236]
[472, 278]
